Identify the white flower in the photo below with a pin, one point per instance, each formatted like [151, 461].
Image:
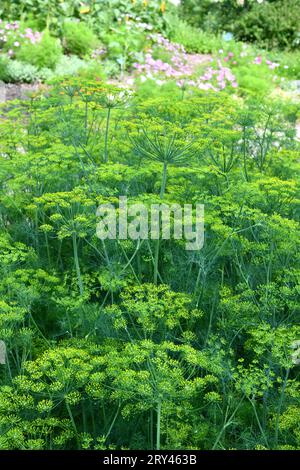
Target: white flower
[110, 98]
[175, 2]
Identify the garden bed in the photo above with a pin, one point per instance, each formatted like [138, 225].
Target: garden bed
[149, 227]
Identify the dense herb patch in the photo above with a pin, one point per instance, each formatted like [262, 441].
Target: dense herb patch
[117, 343]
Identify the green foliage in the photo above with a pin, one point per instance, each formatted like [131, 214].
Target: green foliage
[268, 23]
[141, 344]
[18, 71]
[124, 44]
[289, 63]
[69, 66]
[78, 38]
[45, 53]
[4, 75]
[53, 13]
[194, 39]
[271, 24]
[210, 15]
[255, 81]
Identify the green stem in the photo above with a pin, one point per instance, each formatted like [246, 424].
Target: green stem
[156, 256]
[164, 181]
[157, 245]
[151, 429]
[73, 422]
[280, 406]
[76, 261]
[259, 423]
[244, 155]
[106, 135]
[47, 247]
[113, 422]
[227, 422]
[86, 115]
[158, 419]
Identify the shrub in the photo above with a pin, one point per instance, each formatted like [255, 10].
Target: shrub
[53, 13]
[289, 63]
[73, 65]
[21, 72]
[124, 45]
[18, 72]
[111, 68]
[92, 70]
[69, 65]
[194, 39]
[78, 38]
[254, 80]
[44, 74]
[269, 23]
[274, 24]
[3, 68]
[45, 53]
[211, 15]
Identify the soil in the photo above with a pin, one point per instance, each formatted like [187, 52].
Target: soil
[12, 91]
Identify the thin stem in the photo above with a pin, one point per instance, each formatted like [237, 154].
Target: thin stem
[244, 155]
[73, 422]
[227, 422]
[157, 245]
[86, 115]
[113, 422]
[158, 418]
[106, 135]
[156, 256]
[259, 423]
[164, 181]
[280, 406]
[76, 261]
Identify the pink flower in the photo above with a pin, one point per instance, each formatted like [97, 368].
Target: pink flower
[180, 83]
[257, 60]
[203, 86]
[272, 65]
